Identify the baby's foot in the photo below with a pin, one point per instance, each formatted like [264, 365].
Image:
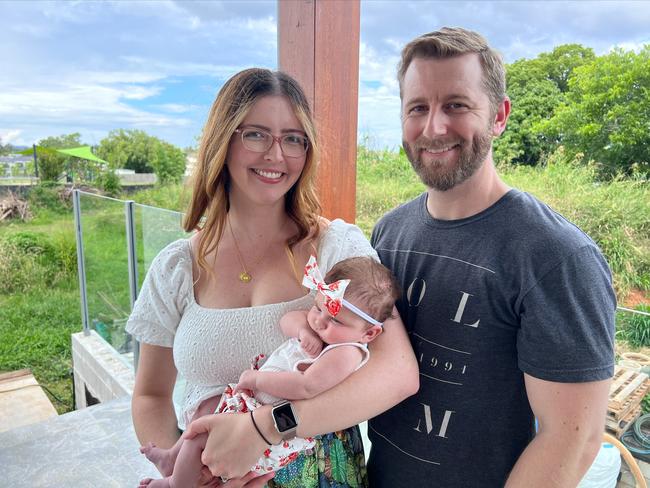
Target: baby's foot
[159, 457]
[152, 483]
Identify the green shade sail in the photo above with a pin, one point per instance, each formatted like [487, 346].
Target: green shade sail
[82, 152]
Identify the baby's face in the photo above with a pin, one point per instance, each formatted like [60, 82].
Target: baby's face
[346, 326]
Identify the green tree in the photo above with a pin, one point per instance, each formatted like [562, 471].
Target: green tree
[130, 149]
[169, 164]
[606, 113]
[523, 142]
[558, 65]
[137, 150]
[50, 162]
[536, 89]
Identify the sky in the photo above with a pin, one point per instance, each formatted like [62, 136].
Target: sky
[96, 66]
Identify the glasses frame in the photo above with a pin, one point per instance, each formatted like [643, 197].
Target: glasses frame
[274, 139]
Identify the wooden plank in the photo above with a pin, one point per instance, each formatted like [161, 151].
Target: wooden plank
[619, 427]
[621, 376]
[18, 383]
[14, 374]
[296, 32]
[318, 44]
[336, 101]
[633, 384]
[22, 401]
[619, 410]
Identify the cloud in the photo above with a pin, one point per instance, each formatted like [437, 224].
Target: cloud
[91, 67]
[515, 28]
[97, 66]
[9, 136]
[176, 108]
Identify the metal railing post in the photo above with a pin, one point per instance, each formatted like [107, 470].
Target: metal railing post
[133, 266]
[81, 268]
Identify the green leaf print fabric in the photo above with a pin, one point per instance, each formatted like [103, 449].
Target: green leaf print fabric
[337, 461]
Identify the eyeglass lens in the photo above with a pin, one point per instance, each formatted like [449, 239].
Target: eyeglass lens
[292, 145]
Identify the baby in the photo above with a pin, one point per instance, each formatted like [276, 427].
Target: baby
[326, 345]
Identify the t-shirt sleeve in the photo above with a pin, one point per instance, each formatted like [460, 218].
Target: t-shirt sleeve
[163, 297]
[342, 241]
[567, 321]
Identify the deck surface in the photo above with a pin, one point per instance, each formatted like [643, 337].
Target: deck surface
[92, 447]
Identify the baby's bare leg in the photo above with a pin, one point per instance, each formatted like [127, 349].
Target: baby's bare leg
[165, 459]
[187, 469]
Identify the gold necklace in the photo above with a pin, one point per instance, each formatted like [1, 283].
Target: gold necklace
[245, 276]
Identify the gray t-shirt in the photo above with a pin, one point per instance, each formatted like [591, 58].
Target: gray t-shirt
[514, 289]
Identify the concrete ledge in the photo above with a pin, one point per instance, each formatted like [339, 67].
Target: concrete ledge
[99, 370]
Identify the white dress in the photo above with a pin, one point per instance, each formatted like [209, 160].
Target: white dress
[213, 346]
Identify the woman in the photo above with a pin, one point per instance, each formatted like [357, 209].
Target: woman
[217, 298]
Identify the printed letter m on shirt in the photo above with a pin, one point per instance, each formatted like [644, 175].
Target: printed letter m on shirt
[428, 423]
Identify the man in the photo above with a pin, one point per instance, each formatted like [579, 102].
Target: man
[509, 306]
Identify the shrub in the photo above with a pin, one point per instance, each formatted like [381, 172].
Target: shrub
[47, 195]
[33, 260]
[109, 182]
[635, 328]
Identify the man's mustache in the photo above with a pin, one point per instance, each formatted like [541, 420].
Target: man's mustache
[435, 144]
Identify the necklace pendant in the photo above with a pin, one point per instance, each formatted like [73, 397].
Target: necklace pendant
[244, 277]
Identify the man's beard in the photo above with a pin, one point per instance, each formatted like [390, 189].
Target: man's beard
[434, 174]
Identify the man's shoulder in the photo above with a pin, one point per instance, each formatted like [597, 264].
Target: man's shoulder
[540, 219]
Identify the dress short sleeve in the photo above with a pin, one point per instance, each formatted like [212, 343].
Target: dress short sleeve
[341, 241]
[165, 293]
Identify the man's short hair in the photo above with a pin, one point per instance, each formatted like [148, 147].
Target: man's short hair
[449, 42]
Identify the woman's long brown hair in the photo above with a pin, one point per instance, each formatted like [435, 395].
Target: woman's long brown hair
[210, 202]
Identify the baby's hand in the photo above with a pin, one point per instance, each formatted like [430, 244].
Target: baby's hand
[247, 381]
[310, 343]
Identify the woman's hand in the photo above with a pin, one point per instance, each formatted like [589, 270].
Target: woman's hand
[251, 480]
[232, 447]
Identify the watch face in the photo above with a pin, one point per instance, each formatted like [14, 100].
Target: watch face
[284, 418]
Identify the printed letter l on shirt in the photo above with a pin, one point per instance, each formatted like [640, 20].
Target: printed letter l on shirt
[461, 310]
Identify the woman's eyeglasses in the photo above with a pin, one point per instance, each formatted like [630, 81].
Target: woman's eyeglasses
[258, 140]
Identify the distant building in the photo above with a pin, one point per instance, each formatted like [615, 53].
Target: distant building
[14, 164]
[190, 163]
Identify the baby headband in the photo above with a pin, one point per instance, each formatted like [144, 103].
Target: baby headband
[333, 292]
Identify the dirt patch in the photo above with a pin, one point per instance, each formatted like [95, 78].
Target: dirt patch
[636, 297]
[622, 346]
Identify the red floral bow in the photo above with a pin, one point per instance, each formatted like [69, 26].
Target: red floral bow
[333, 292]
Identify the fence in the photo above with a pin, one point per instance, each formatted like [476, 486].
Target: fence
[116, 242]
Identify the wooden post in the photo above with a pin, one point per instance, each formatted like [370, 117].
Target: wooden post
[318, 44]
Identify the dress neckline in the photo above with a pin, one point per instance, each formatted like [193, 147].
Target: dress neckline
[234, 309]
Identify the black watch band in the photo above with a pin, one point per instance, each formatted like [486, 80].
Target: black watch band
[285, 419]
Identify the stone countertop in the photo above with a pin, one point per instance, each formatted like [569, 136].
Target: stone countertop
[92, 447]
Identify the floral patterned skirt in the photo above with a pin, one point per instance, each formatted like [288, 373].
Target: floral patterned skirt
[337, 461]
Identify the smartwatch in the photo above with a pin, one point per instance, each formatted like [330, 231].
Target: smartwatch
[285, 419]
